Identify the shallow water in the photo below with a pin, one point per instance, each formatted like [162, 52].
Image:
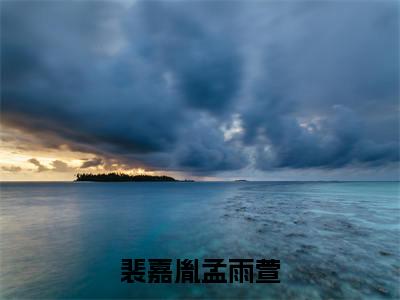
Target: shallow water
[334, 240]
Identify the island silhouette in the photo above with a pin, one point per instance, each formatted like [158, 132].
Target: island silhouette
[121, 177]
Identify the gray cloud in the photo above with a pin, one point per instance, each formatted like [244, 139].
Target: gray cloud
[12, 169]
[314, 85]
[40, 167]
[56, 166]
[60, 166]
[92, 163]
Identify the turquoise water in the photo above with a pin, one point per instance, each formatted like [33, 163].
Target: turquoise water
[334, 240]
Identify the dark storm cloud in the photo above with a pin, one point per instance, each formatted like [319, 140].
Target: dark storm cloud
[205, 150]
[314, 85]
[329, 93]
[195, 42]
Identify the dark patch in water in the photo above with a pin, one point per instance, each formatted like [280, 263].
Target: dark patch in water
[309, 247]
[299, 222]
[381, 290]
[243, 208]
[301, 235]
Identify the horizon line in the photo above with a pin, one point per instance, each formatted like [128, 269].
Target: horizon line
[232, 180]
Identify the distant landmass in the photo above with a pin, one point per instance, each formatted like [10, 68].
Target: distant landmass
[120, 177]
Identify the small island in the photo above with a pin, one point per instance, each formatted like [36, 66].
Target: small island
[120, 177]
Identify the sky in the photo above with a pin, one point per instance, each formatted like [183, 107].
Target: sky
[207, 90]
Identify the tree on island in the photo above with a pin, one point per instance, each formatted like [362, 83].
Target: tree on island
[120, 177]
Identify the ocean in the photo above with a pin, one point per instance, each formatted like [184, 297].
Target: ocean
[334, 240]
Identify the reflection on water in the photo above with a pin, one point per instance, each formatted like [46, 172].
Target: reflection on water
[66, 240]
